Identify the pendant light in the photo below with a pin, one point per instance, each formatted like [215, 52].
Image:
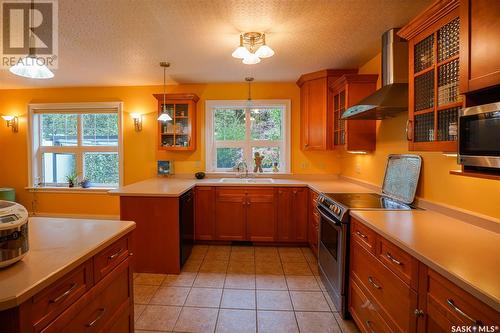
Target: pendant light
[164, 116]
[28, 66]
[249, 100]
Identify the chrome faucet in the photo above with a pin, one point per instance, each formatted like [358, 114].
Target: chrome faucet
[242, 165]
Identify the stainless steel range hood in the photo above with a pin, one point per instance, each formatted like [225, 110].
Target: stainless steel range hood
[392, 98]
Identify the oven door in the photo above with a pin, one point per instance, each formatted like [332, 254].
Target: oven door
[332, 257]
[479, 136]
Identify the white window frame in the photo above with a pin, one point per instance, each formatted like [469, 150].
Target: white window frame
[35, 150]
[212, 145]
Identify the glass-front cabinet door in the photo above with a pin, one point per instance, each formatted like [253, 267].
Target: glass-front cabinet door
[179, 132]
[434, 99]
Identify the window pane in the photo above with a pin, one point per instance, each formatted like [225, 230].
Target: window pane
[57, 166]
[271, 155]
[101, 168]
[229, 124]
[228, 157]
[266, 124]
[58, 129]
[100, 129]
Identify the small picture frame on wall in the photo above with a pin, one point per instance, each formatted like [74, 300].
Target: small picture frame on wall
[165, 168]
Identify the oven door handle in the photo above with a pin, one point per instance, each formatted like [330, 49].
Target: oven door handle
[326, 217]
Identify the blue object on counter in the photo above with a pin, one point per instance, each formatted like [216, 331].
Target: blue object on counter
[7, 193]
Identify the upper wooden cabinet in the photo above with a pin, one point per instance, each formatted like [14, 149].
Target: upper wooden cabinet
[180, 132]
[316, 118]
[434, 99]
[353, 135]
[479, 44]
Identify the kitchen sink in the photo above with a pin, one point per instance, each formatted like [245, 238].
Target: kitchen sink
[247, 180]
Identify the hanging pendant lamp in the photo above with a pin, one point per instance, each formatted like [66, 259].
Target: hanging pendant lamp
[164, 116]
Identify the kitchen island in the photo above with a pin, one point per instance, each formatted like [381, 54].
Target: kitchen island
[76, 274]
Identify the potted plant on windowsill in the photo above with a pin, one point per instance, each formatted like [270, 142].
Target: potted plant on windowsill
[72, 179]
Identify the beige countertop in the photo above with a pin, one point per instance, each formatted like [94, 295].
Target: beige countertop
[57, 245]
[466, 254]
[174, 187]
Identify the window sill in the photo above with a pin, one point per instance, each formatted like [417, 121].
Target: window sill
[80, 190]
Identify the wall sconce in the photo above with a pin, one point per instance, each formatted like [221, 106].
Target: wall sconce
[137, 121]
[12, 121]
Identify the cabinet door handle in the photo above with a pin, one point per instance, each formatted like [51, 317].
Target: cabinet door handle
[409, 133]
[361, 235]
[99, 316]
[418, 313]
[462, 313]
[370, 279]
[369, 324]
[64, 294]
[391, 258]
[113, 256]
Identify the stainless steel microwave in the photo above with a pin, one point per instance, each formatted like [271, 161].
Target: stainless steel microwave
[479, 136]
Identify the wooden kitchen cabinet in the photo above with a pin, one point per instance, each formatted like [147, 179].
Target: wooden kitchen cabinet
[353, 135]
[81, 301]
[178, 134]
[261, 215]
[391, 291]
[316, 118]
[313, 222]
[230, 214]
[245, 214]
[204, 214]
[479, 45]
[433, 89]
[292, 214]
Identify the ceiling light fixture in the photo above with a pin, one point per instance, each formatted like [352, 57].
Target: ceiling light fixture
[252, 48]
[164, 116]
[30, 66]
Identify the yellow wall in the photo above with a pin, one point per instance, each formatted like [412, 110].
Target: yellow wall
[436, 185]
[140, 152]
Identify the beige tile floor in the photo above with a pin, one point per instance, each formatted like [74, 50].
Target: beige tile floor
[238, 289]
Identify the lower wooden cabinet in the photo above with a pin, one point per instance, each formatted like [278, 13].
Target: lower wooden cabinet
[204, 215]
[261, 215]
[230, 214]
[313, 223]
[81, 301]
[391, 291]
[292, 214]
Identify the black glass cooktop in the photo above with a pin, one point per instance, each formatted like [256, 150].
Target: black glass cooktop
[367, 201]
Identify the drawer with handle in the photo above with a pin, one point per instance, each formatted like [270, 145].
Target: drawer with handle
[109, 258]
[365, 312]
[52, 301]
[398, 261]
[394, 296]
[99, 309]
[363, 235]
[448, 305]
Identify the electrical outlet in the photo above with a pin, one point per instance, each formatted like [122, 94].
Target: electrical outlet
[197, 164]
[357, 168]
[304, 165]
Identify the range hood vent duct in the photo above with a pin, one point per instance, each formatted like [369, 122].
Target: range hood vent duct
[392, 98]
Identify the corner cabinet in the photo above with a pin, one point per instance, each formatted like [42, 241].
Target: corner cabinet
[434, 62]
[353, 135]
[178, 134]
[316, 118]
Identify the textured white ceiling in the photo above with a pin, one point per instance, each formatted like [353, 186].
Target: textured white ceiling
[121, 42]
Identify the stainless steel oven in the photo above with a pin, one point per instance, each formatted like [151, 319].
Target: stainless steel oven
[332, 257]
[479, 136]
